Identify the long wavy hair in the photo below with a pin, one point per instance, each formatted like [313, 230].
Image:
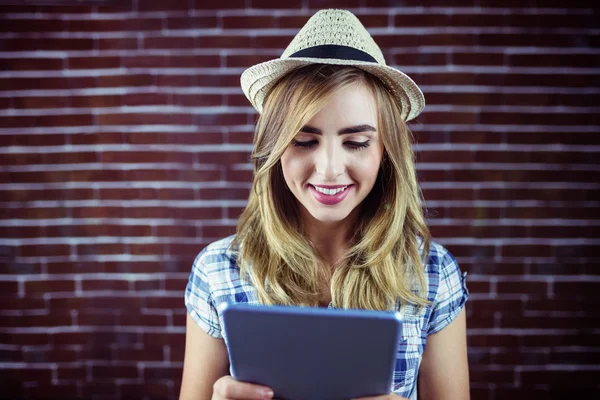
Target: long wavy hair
[384, 263]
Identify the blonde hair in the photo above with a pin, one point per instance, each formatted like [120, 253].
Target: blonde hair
[383, 263]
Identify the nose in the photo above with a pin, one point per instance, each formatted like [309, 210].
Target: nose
[329, 162]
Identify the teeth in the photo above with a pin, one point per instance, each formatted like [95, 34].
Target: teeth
[330, 192]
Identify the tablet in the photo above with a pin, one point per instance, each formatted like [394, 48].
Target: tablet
[312, 353]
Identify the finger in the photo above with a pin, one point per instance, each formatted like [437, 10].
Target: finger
[229, 388]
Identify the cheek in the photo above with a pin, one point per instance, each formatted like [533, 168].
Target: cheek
[294, 166]
[367, 166]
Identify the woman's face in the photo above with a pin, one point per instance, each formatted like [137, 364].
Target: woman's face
[332, 163]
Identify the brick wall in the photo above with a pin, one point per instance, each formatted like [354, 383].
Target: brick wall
[124, 143]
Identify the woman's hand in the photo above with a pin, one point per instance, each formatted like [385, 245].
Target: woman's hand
[390, 396]
[228, 388]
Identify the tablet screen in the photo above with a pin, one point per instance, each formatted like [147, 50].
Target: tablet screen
[312, 353]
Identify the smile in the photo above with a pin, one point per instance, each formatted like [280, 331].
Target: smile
[329, 192]
[329, 196]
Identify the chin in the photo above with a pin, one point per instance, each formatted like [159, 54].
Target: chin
[329, 216]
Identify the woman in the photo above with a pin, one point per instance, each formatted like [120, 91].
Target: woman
[334, 218]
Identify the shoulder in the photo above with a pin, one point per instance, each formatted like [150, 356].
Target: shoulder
[440, 259]
[217, 255]
[442, 272]
[447, 288]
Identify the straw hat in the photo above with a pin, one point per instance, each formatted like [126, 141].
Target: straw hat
[333, 37]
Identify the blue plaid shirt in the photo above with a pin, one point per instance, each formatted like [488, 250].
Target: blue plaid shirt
[215, 280]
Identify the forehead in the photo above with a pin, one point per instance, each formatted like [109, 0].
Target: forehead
[353, 105]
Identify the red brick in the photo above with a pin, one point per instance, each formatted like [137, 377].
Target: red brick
[176, 284]
[23, 304]
[96, 138]
[217, 231]
[486, 375]
[58, 391]
[24, 338]
[153, 353]
[195, 213]
[186, 250]
[239, 175]
[531, 322]
[168, 42]
[9, 288]
[134, 319]
[580, 288]
[142, 267]
[523, 287]
[96, 101]
[125, 80]
[100, 248]
[204, 5]
[33, 25]
[93, 62]
[114, 372]
[148, 285]
[104, 284]
[245, 61]
[52, 356]
[102, 388]
[147, 248]
[234, 212]
[195, 100]
[97, 212]
[493, 340]
[154, 373]
[162, 338]
[163, 302]
[579, 377]
[41, 102]
[31, 64]
[159, 5]
[249, 22]
[47, 44]
[227, 157]
[70, 158]
[46, 120]
[38, 287]
[520, 393]
[551, 339]
[145, 119]
[483, 306]
[477, 321]
[149, 389]
[421, 20]
[33, 213]
[140, 99]
[67, 339]
[33, 140]
[96, 318]
[146, 157]
[125, 43]
[45, 250]
[222, 41]
[176, 231]
[196, 22]
[27, 374]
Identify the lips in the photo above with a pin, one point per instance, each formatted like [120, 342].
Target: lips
[330, 200]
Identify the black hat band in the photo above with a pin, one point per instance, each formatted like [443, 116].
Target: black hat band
[334, 51]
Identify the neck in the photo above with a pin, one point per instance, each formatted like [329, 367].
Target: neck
[331, 238]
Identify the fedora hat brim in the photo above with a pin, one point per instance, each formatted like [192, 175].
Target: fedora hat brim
[257, 80]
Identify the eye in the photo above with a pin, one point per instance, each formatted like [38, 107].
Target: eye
[355, 146]
[305, 145]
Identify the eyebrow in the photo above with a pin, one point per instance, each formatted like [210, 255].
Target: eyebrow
[344, 131]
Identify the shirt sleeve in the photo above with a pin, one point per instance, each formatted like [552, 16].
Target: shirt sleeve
[199, 300]
[451, 295]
